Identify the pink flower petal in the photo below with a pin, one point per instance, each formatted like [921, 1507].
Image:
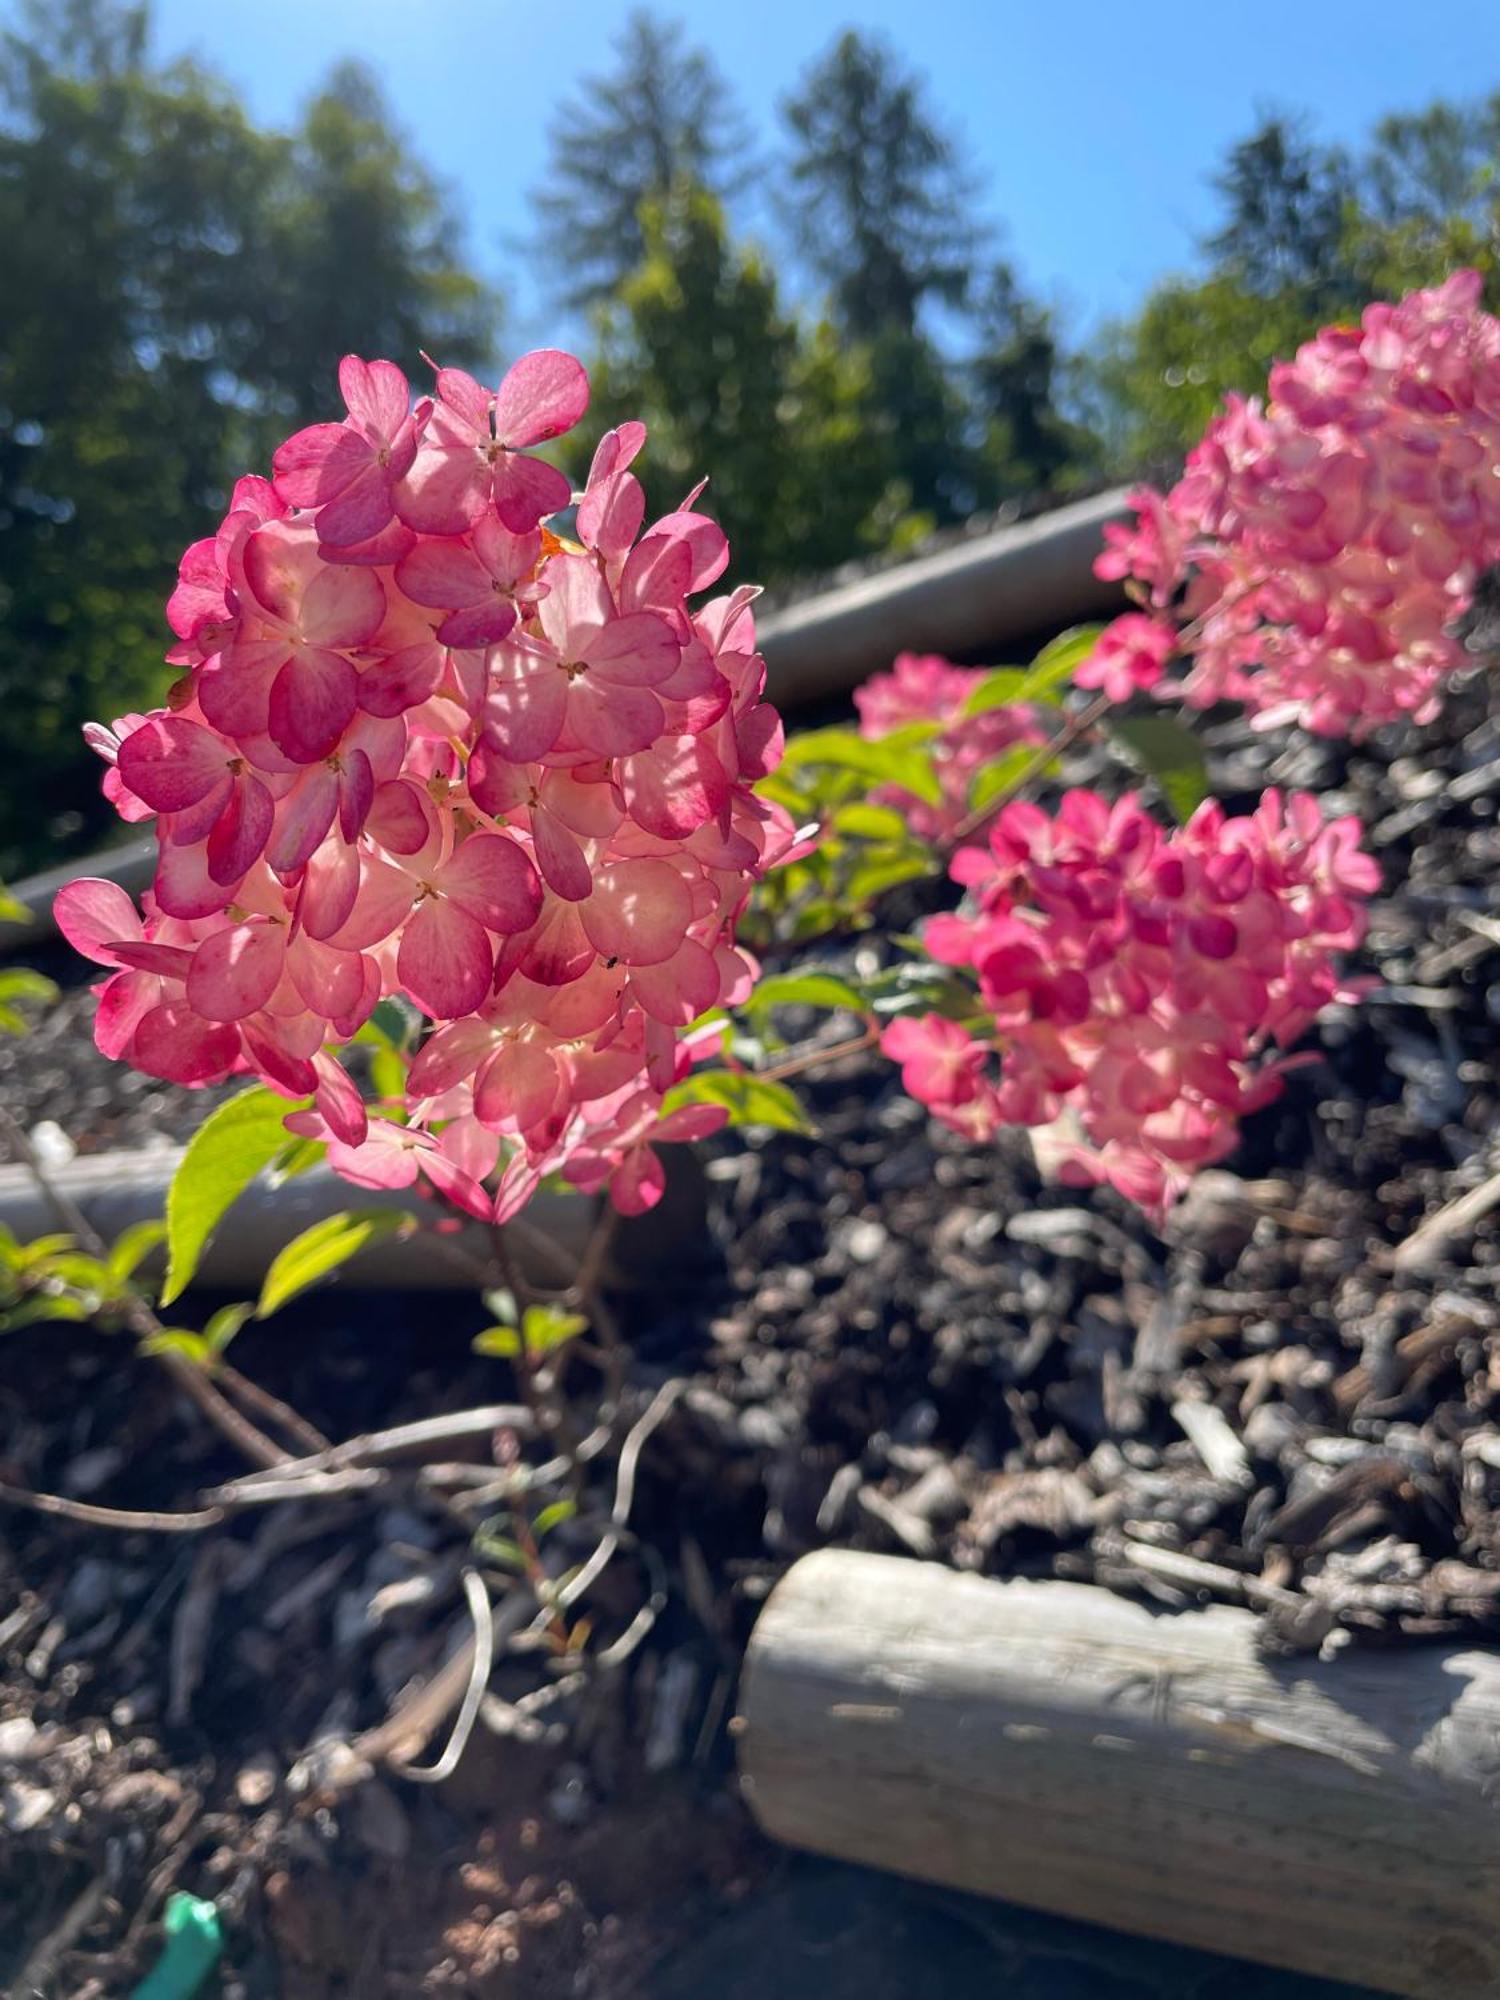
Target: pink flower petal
[674, 787]
[638, 650]
[679, 989]
[362, 511]
[93, 915]
[449, 1056]
[376, 393]
[446, 960]
[526, 491]
[312, 703]
[171, 763]
[240, 834]
[639, 912]
[175, 1043]
[401, 680]
[542, 395]
[612, 721]
[183, 886]
[235, 971]
[381, 906]
[520, 1082]
[560, 857]
[491, 878]
[525, 708]
[341, 607]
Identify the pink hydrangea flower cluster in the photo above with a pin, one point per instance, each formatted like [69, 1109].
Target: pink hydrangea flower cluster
[421, 745]
[925, 688]
[1319, 546]
[1140, 986]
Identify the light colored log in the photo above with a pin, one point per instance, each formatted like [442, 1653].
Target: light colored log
[1056, 1745]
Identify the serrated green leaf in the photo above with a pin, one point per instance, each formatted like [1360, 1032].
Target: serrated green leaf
[223, 1156]
[897, 759]
[1169, 754]
[321, 1250]
[804, 989]
[503, 1342]
[1057, 663]
[749, 1100]
[132, 1246]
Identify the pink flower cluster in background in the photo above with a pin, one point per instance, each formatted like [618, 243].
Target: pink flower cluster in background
[1137, 985]
[422, 746]
[1318, 547]
[925, 688]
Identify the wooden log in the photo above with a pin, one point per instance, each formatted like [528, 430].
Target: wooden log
[1056, 1745]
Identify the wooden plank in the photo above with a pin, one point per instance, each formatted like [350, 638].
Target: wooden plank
[1057, 1745]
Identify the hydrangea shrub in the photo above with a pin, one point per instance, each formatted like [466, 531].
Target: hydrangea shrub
[476, 770]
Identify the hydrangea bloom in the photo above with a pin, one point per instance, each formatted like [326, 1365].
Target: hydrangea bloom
[422, 745]
[1142, 986]
[925, 688]
[1319, 546]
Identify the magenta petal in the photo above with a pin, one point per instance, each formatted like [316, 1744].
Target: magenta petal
[330, 981]
[675, 787]
[445, 574]
[313, 700]
[240, 835]
[444, 489]
[382, 905]
[338, 1099]
[681, 988]
[450, 1056]
[525, 709]
[490, 877]
[639, 1182]
[527, 491]
[178, 1045]
[330, 885]
[183, 886]
[560, 857]
[376, 393]
[401, 818]
[93, 915]
[638, 650]
[356, 784]
[234, 690]
[341, 606]
[401, 680]
[612, 721]
[170, 763]
[639, 912]
[123, 1001]
[301, 469]
[457, 1186]
[361, 511]
[483, 624]
[520, 1081]
[542, 395]
[446, 960]
[235, 971]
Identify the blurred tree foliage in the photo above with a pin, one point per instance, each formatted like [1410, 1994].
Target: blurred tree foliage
[178, 288]
[1310, 235]
[662, 116]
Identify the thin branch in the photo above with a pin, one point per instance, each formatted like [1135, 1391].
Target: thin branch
[188, 1377]
[128, 1520]
[1080, 720]
[271, 1407]
[373, 1447]
[815, 1058]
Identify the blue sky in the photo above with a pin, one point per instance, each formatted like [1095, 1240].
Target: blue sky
[1096, 126]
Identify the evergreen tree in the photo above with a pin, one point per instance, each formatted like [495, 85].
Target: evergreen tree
[698, 345]
[876, 199]
[663, 114]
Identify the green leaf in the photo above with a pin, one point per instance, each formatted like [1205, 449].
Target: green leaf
[504, 1342]
[42, 1306]
[224, 1325]
[21, 985]
[12, 909]
[881, 872]
[544, 1328]
[998, 689]
[178, 1340]
[749, 1100]
[132, 1246]
[804, 989]
[553, 1517]
[223, 1156]
[897, 759]
[298, 1158]
[1056, 664]
[321, 1250]
[993, 781]
[501, 1549]
[388, 1074]
[866, 822]
[1169, 754]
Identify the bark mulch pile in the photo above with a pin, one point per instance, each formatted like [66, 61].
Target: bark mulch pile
[882, 1339]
